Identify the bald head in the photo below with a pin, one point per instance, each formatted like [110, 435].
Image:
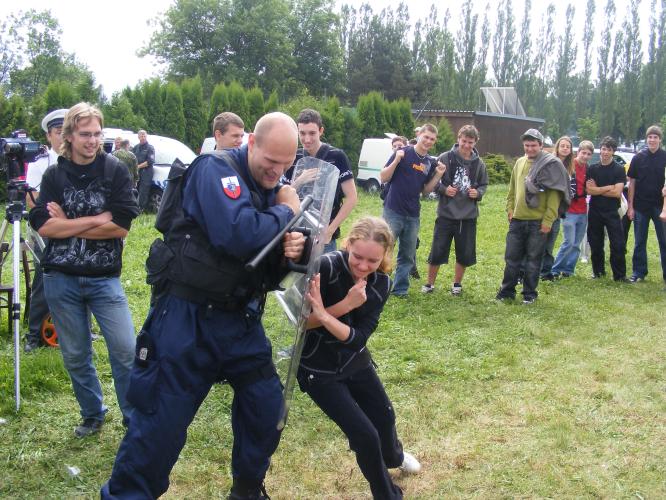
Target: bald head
[272, 148]
[276, 123]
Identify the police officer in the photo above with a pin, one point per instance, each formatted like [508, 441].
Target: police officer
[39, 309]
[206, 326]
[145, 156]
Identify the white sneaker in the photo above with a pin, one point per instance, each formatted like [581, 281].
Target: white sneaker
[427, 288]
[409, 464]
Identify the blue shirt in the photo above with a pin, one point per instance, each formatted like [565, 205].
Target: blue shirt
[409, 177]
[232, 224]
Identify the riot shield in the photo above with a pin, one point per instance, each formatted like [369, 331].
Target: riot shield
[316, 179]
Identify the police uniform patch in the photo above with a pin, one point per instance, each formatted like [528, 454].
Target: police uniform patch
[231, 187]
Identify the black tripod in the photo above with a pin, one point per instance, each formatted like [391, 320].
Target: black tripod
[14, 214]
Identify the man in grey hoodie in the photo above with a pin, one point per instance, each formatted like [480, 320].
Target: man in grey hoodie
[461, 188]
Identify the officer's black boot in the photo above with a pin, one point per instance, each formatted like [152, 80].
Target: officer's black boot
[244, 489]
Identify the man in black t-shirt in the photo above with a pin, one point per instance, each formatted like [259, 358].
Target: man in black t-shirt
[605, 183]
[310, 130]
[646, 181]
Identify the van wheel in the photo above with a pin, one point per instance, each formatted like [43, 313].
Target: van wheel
[372, 186]
[155, 200]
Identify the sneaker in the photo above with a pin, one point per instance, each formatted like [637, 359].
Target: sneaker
[409, 464]
[414, 273]
[427, 288]
[624, 279]
[597, 276]
[636, 279]
[548, 277]
[564, 275]
[502, 298]
[529, 301]
[456, 289]
[88, 427]
[31, 345]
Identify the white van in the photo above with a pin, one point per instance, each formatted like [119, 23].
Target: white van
[208, 144]
[374, 155]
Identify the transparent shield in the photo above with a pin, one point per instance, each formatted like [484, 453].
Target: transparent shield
[318, 179]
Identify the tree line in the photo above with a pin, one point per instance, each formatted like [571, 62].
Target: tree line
[278, 52]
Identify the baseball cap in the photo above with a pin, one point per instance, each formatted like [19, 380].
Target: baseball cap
[532, 133]
[54, 119]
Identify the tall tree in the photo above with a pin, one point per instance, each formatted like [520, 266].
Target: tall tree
[315, 33]
[224, 40]
[606, 73]
[583, 102]
[255, 107]
[219, 102]
[563, 87]
[630, 64]
[194, 112]
[504, 57]
[173, 124]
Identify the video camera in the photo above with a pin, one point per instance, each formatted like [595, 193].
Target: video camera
[15, 152]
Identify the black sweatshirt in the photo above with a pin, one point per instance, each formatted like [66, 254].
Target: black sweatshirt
[84, 191]
[325, 356]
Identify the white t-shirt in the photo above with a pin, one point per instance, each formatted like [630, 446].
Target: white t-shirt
[36, 169]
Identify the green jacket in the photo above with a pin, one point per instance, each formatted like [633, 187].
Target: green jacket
[128, 158]
[549, 200]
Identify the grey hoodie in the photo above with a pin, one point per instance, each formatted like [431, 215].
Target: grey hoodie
[547, 172]
[463, 174]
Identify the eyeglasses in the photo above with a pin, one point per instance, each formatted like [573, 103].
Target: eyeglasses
[89, 135]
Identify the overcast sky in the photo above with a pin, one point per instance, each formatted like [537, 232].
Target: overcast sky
[106, 36]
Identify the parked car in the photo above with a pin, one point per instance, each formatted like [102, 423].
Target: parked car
[167, 150]
[622, 157]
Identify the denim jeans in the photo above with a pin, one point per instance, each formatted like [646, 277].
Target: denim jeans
[405, 230]
[548, 259]
[523, 241]
[641, 227]
[69, 298]
[573, 232]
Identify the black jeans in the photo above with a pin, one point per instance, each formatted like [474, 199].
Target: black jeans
[610, 220]
[523, 241]
[360, 407]
[145, 183]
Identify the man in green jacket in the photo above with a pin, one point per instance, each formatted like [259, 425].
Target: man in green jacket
[531, 216]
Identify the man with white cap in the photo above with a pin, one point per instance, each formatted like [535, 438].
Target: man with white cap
[52, 125]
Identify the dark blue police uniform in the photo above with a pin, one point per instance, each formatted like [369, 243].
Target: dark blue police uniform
[186, 346]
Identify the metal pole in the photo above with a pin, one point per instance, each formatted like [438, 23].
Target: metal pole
[16, 311]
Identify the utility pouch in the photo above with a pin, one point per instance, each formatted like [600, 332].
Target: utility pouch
[159, 258]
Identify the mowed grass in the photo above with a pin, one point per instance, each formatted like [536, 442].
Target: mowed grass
[565, 398]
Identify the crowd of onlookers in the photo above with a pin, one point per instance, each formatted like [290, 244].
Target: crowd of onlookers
[204, 324]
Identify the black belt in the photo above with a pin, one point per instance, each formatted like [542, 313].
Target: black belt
[227, 304]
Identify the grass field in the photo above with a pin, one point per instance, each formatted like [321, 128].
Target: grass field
[564, 398]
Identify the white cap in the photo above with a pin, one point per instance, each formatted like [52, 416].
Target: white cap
[54, 119]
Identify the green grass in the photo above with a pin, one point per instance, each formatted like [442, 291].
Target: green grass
[566, 398]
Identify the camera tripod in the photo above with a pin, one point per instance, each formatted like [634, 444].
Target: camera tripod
[14, 214]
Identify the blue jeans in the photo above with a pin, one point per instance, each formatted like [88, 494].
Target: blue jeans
[405, 230]
[69, 298]
[641, 226]
[573, 231]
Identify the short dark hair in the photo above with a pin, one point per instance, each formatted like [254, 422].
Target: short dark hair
[398, 138]
[469, 131]
[223, 120]
[608, 142]
[309, 116]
